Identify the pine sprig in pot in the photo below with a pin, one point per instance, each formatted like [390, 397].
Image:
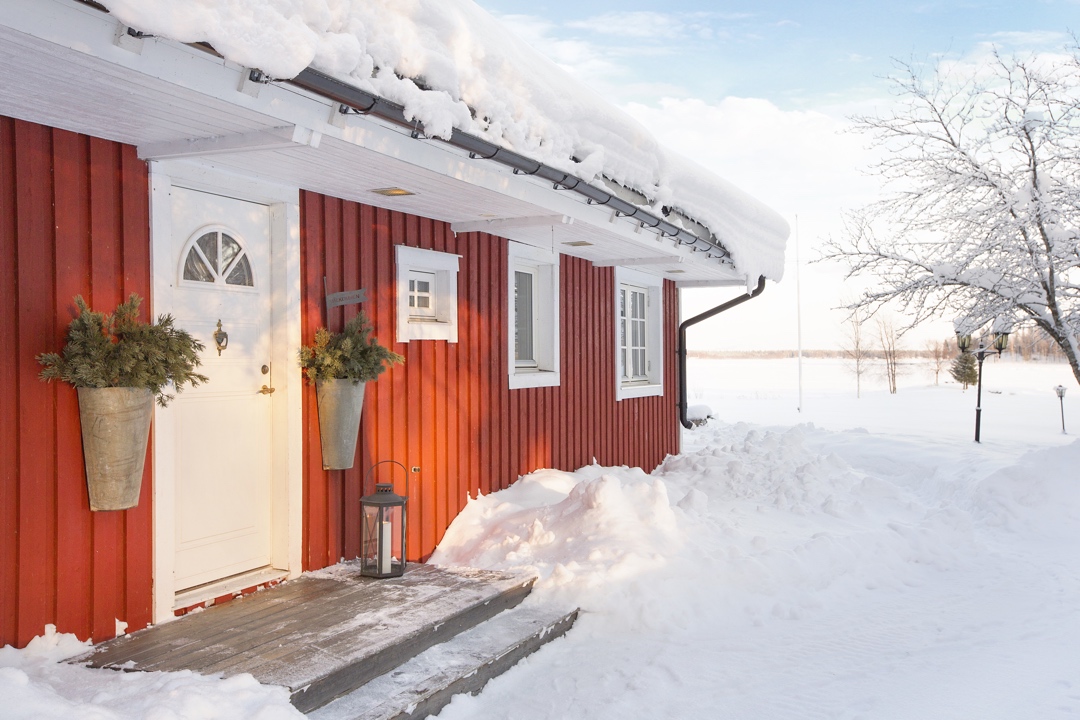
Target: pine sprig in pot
[119, 350]
[348, 355]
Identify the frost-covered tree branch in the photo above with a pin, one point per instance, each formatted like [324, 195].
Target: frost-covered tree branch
[983, 216]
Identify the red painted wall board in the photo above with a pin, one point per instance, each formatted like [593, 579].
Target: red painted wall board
[9, 389]
[74, 219]
[449, 410]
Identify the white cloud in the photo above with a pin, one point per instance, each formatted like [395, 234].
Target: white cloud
[804, 165]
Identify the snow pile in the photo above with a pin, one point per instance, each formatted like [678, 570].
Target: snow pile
[755, 521]
[1039, 496]
[34, 683]
[796, 573]
[453, 66]
[580, 532]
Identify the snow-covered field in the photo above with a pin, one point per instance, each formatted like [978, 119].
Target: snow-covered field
[862, 558]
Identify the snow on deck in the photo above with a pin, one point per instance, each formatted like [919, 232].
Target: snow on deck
[453, 66]
[323, 634]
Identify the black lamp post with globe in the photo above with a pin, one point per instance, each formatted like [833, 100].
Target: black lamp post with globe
[1000, 340]
[1060, 391]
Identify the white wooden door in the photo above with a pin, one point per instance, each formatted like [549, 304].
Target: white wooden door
[221, 252]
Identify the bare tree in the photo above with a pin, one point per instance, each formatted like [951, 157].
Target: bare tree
[939, 353]
[855, 348]
[984, 220]
[889, 351]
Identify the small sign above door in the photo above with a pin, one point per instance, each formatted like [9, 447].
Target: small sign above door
[348, 297]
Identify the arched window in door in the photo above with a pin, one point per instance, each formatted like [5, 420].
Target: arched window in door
[216, 256]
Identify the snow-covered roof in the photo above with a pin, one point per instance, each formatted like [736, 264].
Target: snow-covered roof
[453, 66]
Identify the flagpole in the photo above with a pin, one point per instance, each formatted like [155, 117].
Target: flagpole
[798, 309]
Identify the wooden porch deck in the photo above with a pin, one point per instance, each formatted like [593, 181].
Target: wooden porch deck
[324, 634]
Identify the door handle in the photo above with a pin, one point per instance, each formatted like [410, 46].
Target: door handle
[267, 390]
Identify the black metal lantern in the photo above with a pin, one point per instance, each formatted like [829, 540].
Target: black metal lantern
[382, 530]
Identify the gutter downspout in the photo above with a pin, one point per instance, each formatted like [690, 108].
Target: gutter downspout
[681, 351]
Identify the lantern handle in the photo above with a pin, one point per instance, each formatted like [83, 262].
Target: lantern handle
[381, 462]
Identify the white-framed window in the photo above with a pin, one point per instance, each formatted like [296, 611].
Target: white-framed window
[639, 337]
[532, 316]
[426, 294]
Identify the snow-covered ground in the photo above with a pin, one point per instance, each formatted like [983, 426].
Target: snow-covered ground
[862, 558]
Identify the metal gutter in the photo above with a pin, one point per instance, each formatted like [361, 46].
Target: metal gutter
[681, 351]
[355, 100]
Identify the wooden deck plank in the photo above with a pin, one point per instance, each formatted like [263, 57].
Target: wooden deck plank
[145, 647]
[322, 634]
[382, 619]
[212, 636]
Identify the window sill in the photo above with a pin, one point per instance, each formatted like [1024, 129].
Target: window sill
[429, 330]
[627, 391]
[526, 378]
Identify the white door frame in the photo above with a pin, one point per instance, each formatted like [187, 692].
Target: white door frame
[287, 443]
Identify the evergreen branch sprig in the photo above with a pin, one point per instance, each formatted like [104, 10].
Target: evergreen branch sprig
[348, 355]
[119, 350]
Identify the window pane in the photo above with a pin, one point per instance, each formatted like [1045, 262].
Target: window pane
[195, 268]
[229, 250]
[241, 274]
[208, 243]
[422, 294]
[633, 336]
[523, 317]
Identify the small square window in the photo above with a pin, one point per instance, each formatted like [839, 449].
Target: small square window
[426, 294]
[422, 295]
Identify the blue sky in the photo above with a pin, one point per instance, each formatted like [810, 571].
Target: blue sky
[796, 54]
[760, 93]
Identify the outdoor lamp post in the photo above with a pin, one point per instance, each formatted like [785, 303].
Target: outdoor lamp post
[998, 344]
[382, 531]
[1060, 390]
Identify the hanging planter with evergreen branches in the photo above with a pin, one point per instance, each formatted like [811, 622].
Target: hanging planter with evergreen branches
[120, 364]
[339, 364]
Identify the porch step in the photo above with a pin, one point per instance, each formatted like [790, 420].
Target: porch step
[425, 684]
[324, 634]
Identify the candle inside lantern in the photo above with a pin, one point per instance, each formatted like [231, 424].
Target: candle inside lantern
[386, 541]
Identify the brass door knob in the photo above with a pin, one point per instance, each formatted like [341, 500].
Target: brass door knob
[267, 390]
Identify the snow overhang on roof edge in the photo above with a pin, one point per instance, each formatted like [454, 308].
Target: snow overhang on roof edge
[414, 72]
[364, 103]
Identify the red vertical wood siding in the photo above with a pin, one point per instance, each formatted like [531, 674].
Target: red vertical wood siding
[74, 219]
[448, 410]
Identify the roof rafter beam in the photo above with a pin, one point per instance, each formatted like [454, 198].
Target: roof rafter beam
[735, 282]
[277, 138]
[495, 225]
[629, 262]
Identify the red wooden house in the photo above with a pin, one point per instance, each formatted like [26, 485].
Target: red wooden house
[537, 310]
